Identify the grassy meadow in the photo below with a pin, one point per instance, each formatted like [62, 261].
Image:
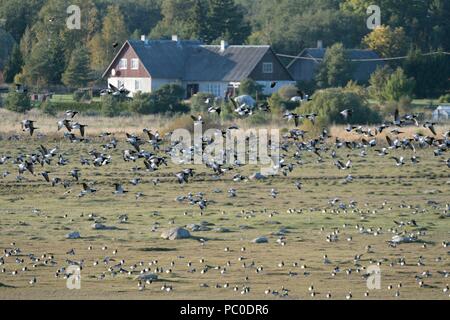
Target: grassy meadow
[36, 217]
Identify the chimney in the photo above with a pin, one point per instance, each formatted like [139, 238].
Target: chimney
[143, 38]
[223, 45]
[319, 44]
[174, 37]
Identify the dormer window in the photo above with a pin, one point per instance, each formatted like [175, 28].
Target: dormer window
[134, 64]
[267, 67]
[123, 64]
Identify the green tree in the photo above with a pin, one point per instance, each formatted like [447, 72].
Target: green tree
[335, 69]
[250, 87]
[328, 104]
[398, 86]
[378, 81]
[387, 42]
[17, 102]
[78, 72]
[45, 64]
[225, 20]
[13, 65]
[431, 73]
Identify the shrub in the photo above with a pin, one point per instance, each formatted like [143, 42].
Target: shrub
[142, 103]
[81, 95]
[279, 104]
[287, 92]
[250, 87]
[378, 81]
[18, 102]
[328, 104]
[49, 108]
[111, 106]
[397, 86]
[198, 104]
[444, 98]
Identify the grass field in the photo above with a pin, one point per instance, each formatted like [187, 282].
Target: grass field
[36, 217]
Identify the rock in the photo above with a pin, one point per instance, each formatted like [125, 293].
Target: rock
[147, 276]
[221, 229]
[260, 240]
[399, 239]
[176, 233]
[98, 226]
[196, 227]
[257, 176]
[101, 226]
[73, 235]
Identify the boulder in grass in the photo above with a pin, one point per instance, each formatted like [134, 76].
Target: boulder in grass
[197, 227]
[175, 234]
[403, 239]
[73, 235]
[147, 277]
[260, 240]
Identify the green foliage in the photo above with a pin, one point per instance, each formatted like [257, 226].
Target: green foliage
[142, 103]
[225, 20]
[250, 87]
[328, 104]
[82, 95]
[13, 65]
[335, 70]
[18, 102]
[378, 81]
[431, 73]
[78, 72]
[397, 86]
[198, 104]
[279, 103]
[111, 106]
[444, 98]
[45, 64]
[167, 99]
[49, 108]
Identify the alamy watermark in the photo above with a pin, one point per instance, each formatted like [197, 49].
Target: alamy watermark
[73, 21]
[374, 20]
[373, 281]
[73, 277]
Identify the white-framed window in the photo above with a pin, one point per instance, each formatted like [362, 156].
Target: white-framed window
[134, 64]
[137, 85]
[267, 67]
[214, 88]
[123, 64]
[119, 83]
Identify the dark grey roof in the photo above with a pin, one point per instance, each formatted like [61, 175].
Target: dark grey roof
[362, 69]
[190, 60]
[208, 63]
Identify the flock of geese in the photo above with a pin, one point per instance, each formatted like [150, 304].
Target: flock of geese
[293, 146]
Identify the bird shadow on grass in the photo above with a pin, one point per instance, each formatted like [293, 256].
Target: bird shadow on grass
[2, 285]
[155, 249]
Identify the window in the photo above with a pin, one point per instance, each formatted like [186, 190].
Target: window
[134, 64]
[214, 88]
[137, 85]
[119, 83]
[267, 67]
[123, 64]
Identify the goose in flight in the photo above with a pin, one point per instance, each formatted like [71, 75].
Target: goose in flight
[28, 125]
[86, 190]
[430, 126]
[71, 113]
[399, 161]
[119, 189]
[347, 113]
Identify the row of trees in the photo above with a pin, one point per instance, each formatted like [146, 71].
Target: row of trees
[42, 51]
